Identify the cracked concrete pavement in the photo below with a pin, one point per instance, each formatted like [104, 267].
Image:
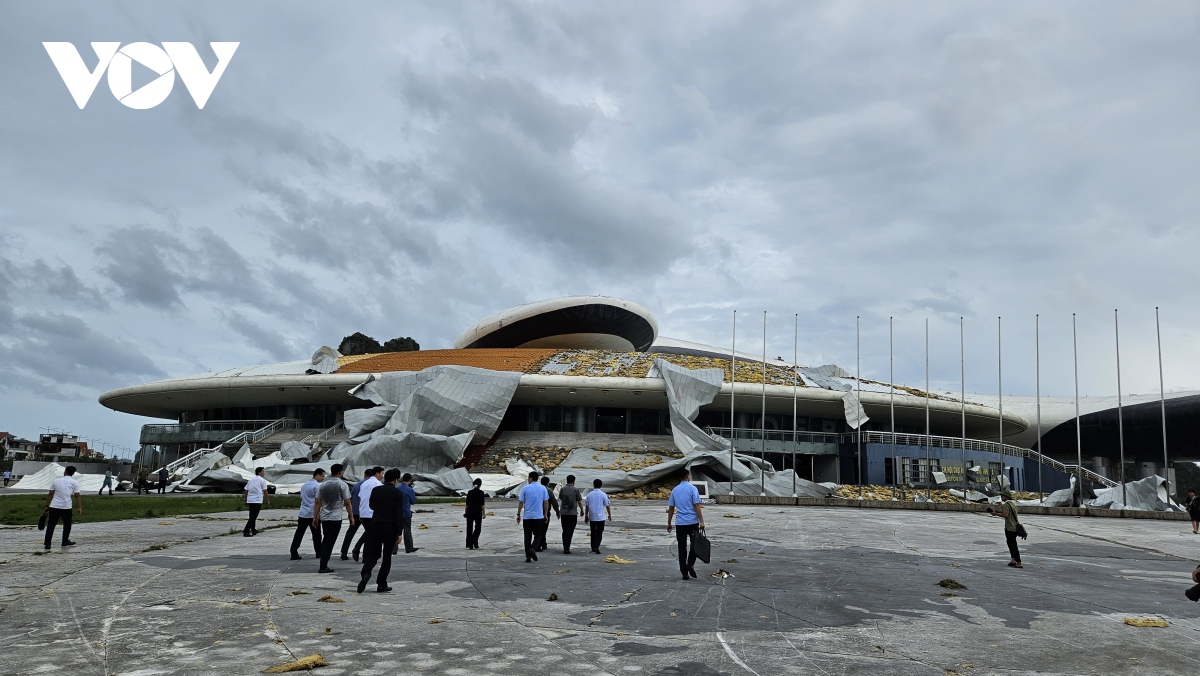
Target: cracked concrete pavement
[814, 590]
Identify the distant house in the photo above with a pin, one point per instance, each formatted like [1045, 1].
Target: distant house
[13, 447]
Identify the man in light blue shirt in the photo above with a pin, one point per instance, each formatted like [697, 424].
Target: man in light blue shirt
[595, 506]
[684, 507]
[308, 502]
[533, 504]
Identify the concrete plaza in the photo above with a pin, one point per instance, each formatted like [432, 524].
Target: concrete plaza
[814, 591]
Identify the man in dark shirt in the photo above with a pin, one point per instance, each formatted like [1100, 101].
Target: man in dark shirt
[572, 506]
[383, 533]
[475, 514]
[541, 537]
[410, 499]
[163, 479]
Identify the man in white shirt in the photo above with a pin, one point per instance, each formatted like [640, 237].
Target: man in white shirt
[595, 505]
[304, 522]
[256, 492]
[58, 505]
[364, 506]
[534, 505]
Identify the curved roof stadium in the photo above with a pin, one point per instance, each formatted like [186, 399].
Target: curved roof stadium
[583, 351]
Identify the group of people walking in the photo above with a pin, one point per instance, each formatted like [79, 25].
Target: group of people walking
[535, 502]
[381, 504]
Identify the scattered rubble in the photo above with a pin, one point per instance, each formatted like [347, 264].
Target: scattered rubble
[1145, 622]
[303, 664]
[613, 558]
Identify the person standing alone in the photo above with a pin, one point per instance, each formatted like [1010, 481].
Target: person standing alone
[571, 504]
[474, 513]
[58, 505]
[386, 503]
[255, 492]
[163, 479]
[1012, 527]
[684, 506]
[534, 505]
[7, 477]
[334, 496]
[1193, 508]
[596, 505]
[305, 520]
[108, 479]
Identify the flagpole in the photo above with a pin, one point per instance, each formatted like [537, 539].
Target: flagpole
[962, 351]
[1000, 386]
[795, 376]
[762, 473]
[1037, 355]
[892, 399]
[1162, 404]
[732, 391]
[1079, 440]
[1120, 411]
[858, 384]
[928, 439]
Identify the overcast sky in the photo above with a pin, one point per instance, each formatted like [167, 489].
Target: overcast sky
[406, 169]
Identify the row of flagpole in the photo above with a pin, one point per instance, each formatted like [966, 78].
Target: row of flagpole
[963, 398]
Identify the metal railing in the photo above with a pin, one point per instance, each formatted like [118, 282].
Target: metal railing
[322, 436]
[778, 441]
[935, 441]
[246, 437]
[208, 430]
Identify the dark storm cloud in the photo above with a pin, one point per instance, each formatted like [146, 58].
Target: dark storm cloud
[146, 265]
[271, 342]
[59, 353]
[406, 169]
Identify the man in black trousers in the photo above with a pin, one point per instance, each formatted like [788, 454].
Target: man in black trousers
[386, 504]
[572, 507]
[542, 530]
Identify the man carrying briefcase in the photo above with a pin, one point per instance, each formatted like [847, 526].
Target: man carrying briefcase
[684, 508]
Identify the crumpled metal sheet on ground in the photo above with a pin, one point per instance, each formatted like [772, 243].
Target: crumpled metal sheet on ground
[422, 425]
[295, 450]
[751, 476]
[41, 479]
[1149, 494]
[362, 421]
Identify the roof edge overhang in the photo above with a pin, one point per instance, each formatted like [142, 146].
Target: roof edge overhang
[169, 398]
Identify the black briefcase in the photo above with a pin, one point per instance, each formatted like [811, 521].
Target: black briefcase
[1193, 593]
[45, 515]
[701, 546]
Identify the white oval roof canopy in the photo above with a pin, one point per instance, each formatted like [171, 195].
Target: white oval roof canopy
[583, 322]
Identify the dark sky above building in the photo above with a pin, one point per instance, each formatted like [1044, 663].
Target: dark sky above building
[408, 168]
